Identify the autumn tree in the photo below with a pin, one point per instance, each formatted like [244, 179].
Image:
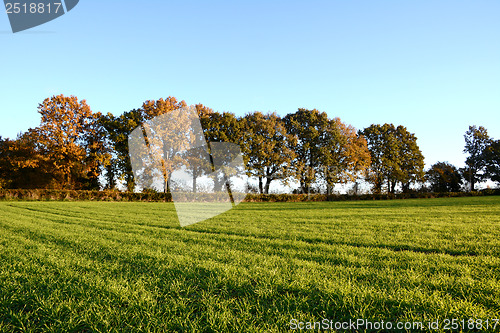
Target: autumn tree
[444, 177]
[23, 164]
[476, 142]
[70, 137]
[344, 155]
[266, 148]
[198, 160]
[395, 157]
[169, 131]
[63, 120]
[5, 163]
[120, 127]
[16, 160]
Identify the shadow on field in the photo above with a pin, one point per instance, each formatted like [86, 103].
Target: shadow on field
[314, 241]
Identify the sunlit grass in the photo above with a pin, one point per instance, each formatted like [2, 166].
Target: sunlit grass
[114, 266]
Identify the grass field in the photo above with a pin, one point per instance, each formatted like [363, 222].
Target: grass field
[129, 267]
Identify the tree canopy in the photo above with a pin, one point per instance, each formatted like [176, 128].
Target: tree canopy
[76, 148]
[444, 177]
[395, 157]
[266, 149]
[67, 150]
[491, 157]
[476, 141]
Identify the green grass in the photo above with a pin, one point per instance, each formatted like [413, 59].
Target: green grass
[129, 267]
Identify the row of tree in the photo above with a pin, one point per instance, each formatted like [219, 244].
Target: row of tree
[482, 164]
[77, 149]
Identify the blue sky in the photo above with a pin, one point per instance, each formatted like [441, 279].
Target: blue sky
[432, 66]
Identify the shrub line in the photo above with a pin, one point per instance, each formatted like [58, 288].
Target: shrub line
[150, 196]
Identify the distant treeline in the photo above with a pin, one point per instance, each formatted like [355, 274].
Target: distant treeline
[74, 148]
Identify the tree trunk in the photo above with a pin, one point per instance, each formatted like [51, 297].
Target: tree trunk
[393, 187]
[130, 183]
[228, 187]
[261, 190]
[377, 186]
[166, 183]
[166, 177]
[69, 180]
[110, 175]
[328, 181]
[471, 180]
[304, 187]
[329, 188]
[268, 183]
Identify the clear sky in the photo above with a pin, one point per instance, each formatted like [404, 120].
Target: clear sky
[430, 65]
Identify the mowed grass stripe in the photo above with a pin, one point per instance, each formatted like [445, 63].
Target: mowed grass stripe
[220, 281]
[321, 258]
[74, 212]
[270, 291]
[312, 223]
[278, 244]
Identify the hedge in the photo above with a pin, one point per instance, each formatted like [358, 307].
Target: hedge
[150, 196]
[79, 195]
[346, 197]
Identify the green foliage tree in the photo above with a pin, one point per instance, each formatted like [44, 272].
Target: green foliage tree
[411, 160]
[310, 131]
[221, 127]
[266, 149]
[376, 142]
[395, 156]
[476, 141]
[98, 151]
[444, 177]
[491, 156]
[118, 129]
